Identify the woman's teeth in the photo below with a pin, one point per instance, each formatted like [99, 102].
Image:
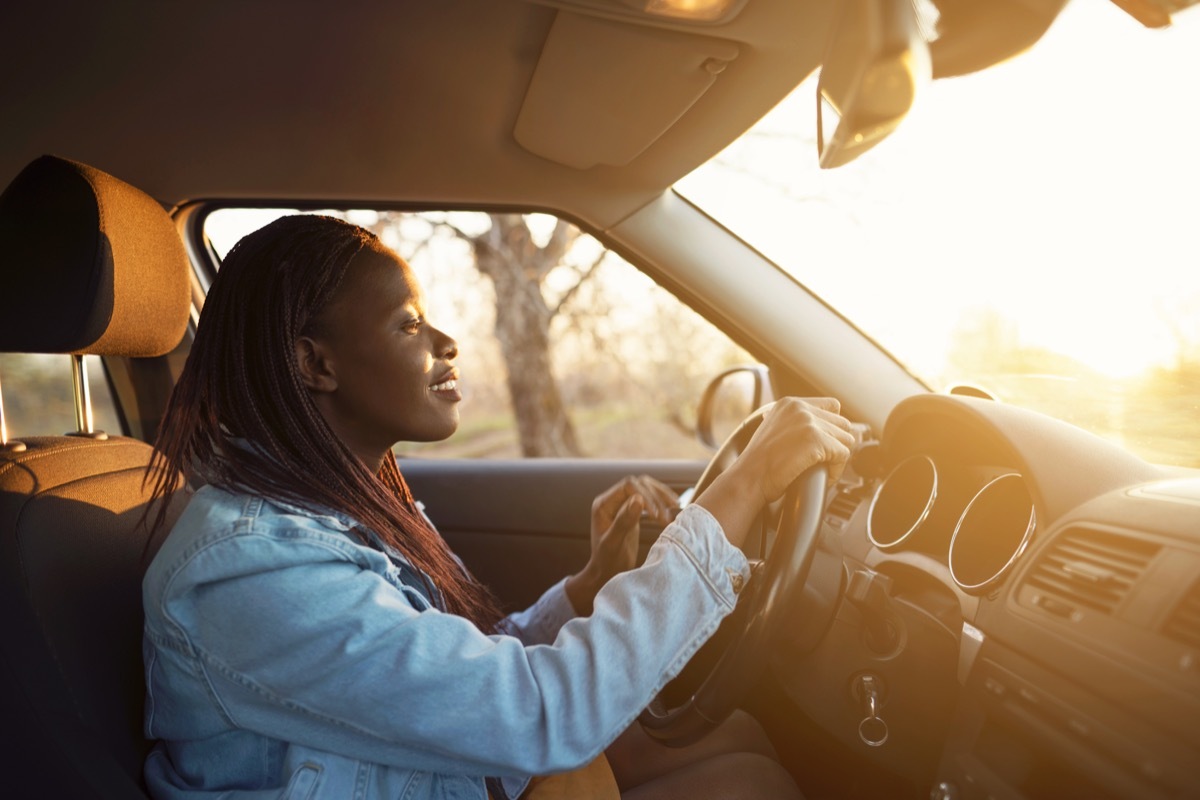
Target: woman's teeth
[445, 386]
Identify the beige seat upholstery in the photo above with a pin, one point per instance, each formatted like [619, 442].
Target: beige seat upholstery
[88, 264]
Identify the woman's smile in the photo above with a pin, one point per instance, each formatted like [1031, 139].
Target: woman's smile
[447, 389]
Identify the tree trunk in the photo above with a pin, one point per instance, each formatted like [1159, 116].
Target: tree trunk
[508, 255]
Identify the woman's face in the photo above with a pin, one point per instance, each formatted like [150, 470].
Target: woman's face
[387, 374]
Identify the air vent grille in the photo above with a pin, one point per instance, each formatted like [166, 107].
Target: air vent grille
[1090, 569]
[1184, 623]
[841, 509]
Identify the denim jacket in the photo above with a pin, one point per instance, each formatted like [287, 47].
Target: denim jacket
[284, 659]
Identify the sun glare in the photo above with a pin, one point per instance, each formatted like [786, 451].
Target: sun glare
[1056, 189]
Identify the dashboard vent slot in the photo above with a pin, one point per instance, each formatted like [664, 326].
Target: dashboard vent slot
[1091, 569]
[841, 509]
[1184, 623]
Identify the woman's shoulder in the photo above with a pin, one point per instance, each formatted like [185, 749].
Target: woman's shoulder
[220, 511]
[222, 533]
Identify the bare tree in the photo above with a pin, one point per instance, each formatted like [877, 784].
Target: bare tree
[517, 265]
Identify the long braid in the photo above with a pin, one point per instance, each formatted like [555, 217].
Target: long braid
[241, 382]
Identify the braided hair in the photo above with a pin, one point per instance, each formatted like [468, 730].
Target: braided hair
[240, 417]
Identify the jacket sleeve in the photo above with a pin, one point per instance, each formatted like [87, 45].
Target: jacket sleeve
[311, 648]
[541, 622]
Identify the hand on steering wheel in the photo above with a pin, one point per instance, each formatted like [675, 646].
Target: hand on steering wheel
[787, 448]
[765, 455]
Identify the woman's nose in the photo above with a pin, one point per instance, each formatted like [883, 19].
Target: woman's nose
[447, 348]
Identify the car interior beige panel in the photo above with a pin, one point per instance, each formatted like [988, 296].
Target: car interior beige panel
[592, 99]
[463, 115]
[707, 259]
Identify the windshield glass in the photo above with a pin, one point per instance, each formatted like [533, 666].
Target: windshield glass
[1029, 230]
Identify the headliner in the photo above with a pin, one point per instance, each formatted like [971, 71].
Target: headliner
[396, 102]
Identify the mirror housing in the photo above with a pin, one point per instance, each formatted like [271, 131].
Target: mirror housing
[875, 62]
[725, 403]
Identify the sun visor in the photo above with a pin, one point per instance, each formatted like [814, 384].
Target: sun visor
[604, 91]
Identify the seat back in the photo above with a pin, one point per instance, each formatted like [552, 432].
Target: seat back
[88, 264]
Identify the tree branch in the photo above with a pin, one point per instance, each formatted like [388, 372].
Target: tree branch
[544, 259]
[459, 232]
[584, 274]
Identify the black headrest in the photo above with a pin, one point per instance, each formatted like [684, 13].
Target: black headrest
[88, 264]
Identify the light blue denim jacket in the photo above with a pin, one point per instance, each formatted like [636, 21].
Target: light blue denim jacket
[286, 660]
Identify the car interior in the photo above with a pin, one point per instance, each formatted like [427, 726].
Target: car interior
[991, 602]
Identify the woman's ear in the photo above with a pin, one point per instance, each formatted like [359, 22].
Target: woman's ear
[316, 368]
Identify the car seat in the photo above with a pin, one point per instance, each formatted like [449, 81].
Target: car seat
[88, 264]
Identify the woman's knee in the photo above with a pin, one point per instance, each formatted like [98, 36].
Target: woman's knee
[743, 734]
[733, 776]
[636, 758]
[754, 775]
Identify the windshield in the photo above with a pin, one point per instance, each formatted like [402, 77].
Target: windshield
[1029, 230]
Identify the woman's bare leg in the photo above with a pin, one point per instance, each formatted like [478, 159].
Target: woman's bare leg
[733, 776]
[639, 761]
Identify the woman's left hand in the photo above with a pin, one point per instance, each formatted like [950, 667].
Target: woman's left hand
[616, 522]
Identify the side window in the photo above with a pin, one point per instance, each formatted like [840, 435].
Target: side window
[39, 399]
[565, 349]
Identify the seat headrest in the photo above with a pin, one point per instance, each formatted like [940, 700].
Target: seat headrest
[88, 264]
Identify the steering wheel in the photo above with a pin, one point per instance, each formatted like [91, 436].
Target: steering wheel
[709, 692]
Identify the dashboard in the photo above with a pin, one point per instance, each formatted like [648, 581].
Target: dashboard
[1017, 613]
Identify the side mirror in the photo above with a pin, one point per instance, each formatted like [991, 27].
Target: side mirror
[729, 399]
[875, 62]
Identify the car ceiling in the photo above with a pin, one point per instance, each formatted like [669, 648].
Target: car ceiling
[376, 102]
[422, 102]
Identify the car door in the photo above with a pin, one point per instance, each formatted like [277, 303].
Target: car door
[521, 525]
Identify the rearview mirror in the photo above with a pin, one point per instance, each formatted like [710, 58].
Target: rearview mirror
[875, 62]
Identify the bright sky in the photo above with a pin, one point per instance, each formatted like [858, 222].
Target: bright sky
[1062, 187]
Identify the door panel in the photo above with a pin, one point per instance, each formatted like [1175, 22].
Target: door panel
[522, 525]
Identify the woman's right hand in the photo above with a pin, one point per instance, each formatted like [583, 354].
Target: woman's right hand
[795, 434]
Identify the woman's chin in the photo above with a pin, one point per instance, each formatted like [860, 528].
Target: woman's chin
[434, 432]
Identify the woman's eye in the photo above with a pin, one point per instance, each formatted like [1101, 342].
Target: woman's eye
[412, 326]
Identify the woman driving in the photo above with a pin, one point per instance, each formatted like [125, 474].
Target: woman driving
[310, 634]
